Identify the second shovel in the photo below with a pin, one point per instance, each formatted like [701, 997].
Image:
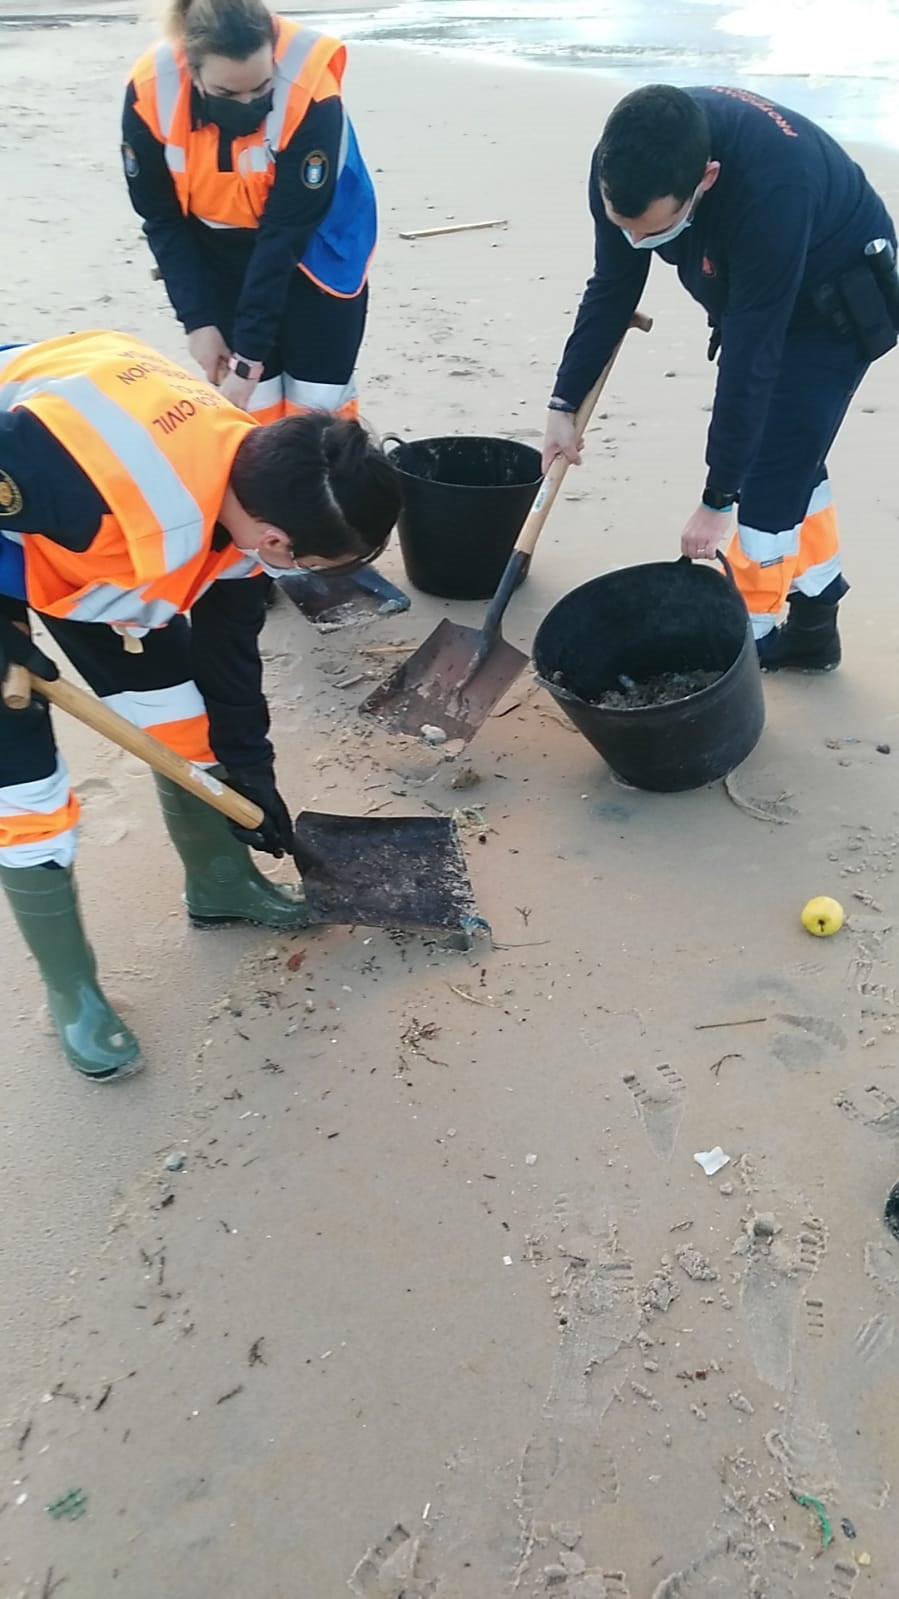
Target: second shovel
[459, 674]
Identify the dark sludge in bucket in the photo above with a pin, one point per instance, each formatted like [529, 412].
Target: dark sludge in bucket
[657, 667]
[665, 688]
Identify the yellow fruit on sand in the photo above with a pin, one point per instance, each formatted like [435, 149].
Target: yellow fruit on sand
[822, 916]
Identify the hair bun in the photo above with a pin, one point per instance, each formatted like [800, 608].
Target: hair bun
[344, 445]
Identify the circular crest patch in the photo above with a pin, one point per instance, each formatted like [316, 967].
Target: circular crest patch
[315, 169]
[11, 501]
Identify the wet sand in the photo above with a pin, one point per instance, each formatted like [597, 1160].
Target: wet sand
[440, 1258]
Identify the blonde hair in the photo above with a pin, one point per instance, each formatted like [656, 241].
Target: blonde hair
[232, 28]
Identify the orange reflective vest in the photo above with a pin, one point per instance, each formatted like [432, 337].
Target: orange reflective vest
[159, 445]
[309, 66]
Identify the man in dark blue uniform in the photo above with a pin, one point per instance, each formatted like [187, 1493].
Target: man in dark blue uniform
[778, 234]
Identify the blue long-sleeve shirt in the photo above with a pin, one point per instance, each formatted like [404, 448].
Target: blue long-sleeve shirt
[789, 212]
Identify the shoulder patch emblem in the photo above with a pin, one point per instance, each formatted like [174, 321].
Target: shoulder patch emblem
[130, 162]
[315, 169]
[11, 501]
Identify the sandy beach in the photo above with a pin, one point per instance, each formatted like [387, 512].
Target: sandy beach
[440, 1303]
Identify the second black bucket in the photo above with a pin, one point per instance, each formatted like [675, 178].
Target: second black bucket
[464, 504]
[638, 623]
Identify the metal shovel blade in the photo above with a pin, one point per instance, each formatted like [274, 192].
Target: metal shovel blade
[424, 691]
[332, 600]
[383, 871]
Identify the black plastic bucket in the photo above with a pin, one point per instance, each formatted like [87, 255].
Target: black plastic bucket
[667, 616]
[464, 503]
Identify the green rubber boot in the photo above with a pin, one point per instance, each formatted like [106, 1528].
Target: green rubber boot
[221, 884]
[45, 905]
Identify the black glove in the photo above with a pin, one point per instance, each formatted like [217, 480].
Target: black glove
[257, 783]
[18, 648]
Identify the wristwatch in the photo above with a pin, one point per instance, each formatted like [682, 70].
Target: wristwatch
[249, 370]
[713, 501]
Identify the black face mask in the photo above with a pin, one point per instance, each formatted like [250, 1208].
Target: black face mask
[237, 118]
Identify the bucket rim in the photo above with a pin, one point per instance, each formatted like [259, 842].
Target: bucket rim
[393, 444]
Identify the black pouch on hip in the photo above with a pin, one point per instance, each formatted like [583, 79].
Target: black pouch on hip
[856, 308]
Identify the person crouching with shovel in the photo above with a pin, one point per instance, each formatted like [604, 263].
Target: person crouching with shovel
[133, 496]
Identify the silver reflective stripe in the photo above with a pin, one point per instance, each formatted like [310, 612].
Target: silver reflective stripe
[106, 603]
[269, 392]
[344, 141]
[168, 86]
[243, 568]
[176, 158]
[9, 390]
[170, 502]
[256, 158]
[287, 70]
[318, 396]
[225, 227]
[12, 537]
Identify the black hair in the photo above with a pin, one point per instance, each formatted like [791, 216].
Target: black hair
[321, 479]
[655, 143]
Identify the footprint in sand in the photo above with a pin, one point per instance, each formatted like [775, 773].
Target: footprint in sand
[565, 1467]
[809, 1038]
[660, 1107]
[783, 1559]
[876, 1109]
[387, 1570]
[874, 1339]
[770, 1293]
[719, 1573]
[843, 1580]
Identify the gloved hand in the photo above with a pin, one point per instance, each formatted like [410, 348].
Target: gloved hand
[257, 783]
[18, 648]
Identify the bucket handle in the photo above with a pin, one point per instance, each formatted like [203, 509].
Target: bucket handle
[719, 556]
[391, 438]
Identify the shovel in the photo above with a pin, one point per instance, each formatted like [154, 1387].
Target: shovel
[388, 871]
[459, 674]
[332, 600]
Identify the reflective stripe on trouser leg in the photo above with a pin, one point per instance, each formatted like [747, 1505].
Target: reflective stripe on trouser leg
[267, 399]
[819, 546]
[341, 398]
[176, 716]
[38, 820]
[768, 566]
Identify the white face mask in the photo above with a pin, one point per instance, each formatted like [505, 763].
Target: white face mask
[270, 571]
[653, 240]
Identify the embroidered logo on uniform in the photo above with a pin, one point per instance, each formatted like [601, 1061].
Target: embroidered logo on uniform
[130, 162]
[315, 169]
[11, 501]
[708, 268]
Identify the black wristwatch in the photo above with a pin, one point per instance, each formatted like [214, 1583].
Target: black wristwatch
[713, 501]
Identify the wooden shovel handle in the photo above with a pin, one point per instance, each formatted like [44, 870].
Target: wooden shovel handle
[533, 527]
[18, 686]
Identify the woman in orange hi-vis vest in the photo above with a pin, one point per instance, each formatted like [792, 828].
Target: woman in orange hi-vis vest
[256, 202]
[132, 497]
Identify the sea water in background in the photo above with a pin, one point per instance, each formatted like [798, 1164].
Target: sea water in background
[838, 64]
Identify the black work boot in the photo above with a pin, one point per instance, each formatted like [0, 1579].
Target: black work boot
[808, 641]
